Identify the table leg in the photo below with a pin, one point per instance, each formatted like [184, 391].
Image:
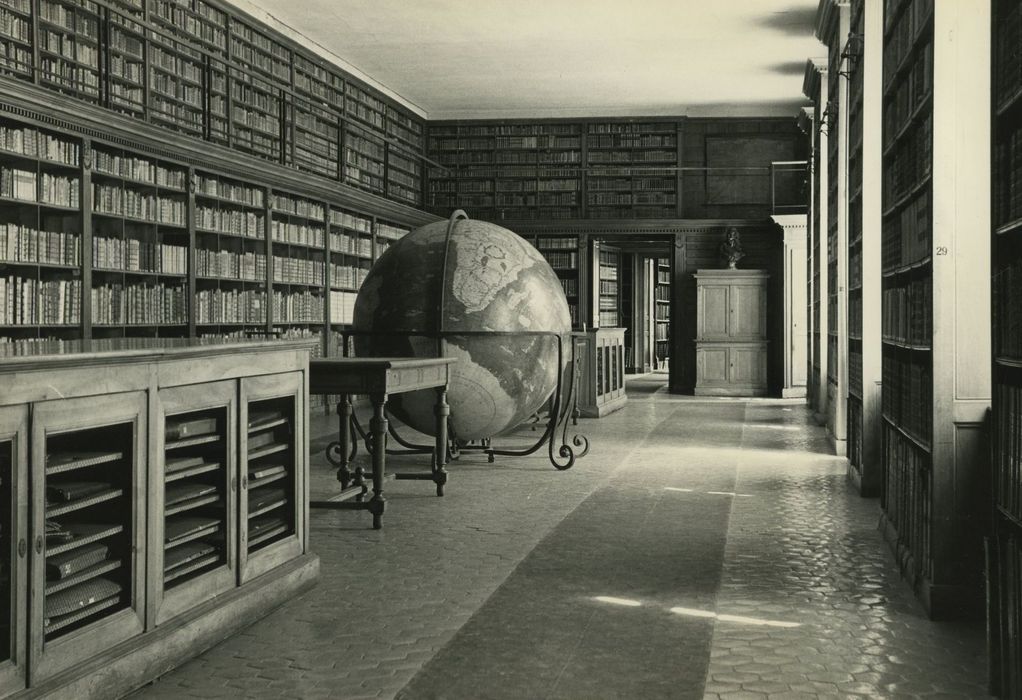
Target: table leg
[442, 410]
[344, 433]
[378, 426]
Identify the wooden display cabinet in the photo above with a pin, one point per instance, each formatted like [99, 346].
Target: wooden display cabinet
[271, 513]
[196, 448]
[88, 525]
[731, 342]
[13, 546]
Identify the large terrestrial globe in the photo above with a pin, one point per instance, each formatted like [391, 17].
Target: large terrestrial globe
[487, 280]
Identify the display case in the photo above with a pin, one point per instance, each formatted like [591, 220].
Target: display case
[272, 495]
[13, 547]
[88, 521]
[193, 517]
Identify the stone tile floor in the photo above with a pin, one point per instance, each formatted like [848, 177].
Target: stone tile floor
[737, 562]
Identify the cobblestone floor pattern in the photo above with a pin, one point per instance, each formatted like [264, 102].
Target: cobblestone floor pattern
[800, 549]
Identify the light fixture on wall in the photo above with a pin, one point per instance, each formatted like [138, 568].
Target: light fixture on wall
[826, 118]
[852, 53]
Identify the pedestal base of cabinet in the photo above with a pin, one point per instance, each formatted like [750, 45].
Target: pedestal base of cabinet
[795, 392]
[839, 445]
[730, 391]
[603, 409]
[941, 601]
[137, 661]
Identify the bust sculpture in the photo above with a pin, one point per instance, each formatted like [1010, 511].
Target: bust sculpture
[731, 249]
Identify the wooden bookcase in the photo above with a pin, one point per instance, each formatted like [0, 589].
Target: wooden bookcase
[1005, 547]
[607, 295]
[124, 553]
[631, 170]
[562, 253]
[105, 240]
[662, 312]
[856, 110]
[936, 299]
[206, 70]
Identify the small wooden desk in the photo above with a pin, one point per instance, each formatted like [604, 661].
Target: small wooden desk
[378, 377]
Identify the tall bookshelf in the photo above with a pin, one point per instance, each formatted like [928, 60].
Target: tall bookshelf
[662, 312]
[1005, 561]
[206, 70]
[856, 70]
[631, 170]
[935, 297]
[101, 240]
[608, 292]
[562, 253]
[507, 171]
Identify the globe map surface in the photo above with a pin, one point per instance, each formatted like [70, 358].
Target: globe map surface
[494, 282]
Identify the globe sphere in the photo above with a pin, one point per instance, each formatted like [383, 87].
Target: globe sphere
[477, 292]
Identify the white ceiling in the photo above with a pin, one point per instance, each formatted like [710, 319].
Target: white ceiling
[455, 59]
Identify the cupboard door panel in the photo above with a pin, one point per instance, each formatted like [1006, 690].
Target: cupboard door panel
[714, 308]
[88, 556]
[193, 506]
[748, 365]
[748, 311]
[272, 455]
[13, 547]
[713, 366]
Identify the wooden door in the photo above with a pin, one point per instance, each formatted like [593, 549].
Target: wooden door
[747, 307]
[714, 309]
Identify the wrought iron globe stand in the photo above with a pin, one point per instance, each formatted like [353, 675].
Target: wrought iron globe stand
[562, 407]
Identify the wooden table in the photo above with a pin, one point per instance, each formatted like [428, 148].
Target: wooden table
[379, 377]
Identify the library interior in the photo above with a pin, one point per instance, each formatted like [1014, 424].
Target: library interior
[696, 316]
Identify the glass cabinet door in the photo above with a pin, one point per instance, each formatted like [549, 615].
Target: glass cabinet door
[272, 457]
[13, 546]
[88, 570]
[193, 521]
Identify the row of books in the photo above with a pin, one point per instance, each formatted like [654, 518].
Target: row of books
[298, 307]
[27, 301]
[390, 232]
[570, 286]
[661, 331]
[662, 293]
[908, 28]
[27, 245]
[396, 178]
[362, 178]
[68, 75]
[122, 201]
[230, 264]
[298, 271]
[1007, 316]
[907, 312]
[134, 255]
[148, 304]
[352, 245]
[608, 319]
[353, 222]
[81, 20]
[562, 260]
[359, 161]
[608, 287]
[225, 189]
[300, 233]
[347, 276]
[627, 156]
[907, 398]
[538, 142]
[910, 163]
[138, 168]
[15, 26]
[906, 496]
[15, 58]
[234, 222]
[342, 307]
[297, 206]
[37, 144]
[557, 243]
[45, 188]
[906, 236]
[632, 140]
[230, 306]
[126, 43]
[515, 158]
[532, 200]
